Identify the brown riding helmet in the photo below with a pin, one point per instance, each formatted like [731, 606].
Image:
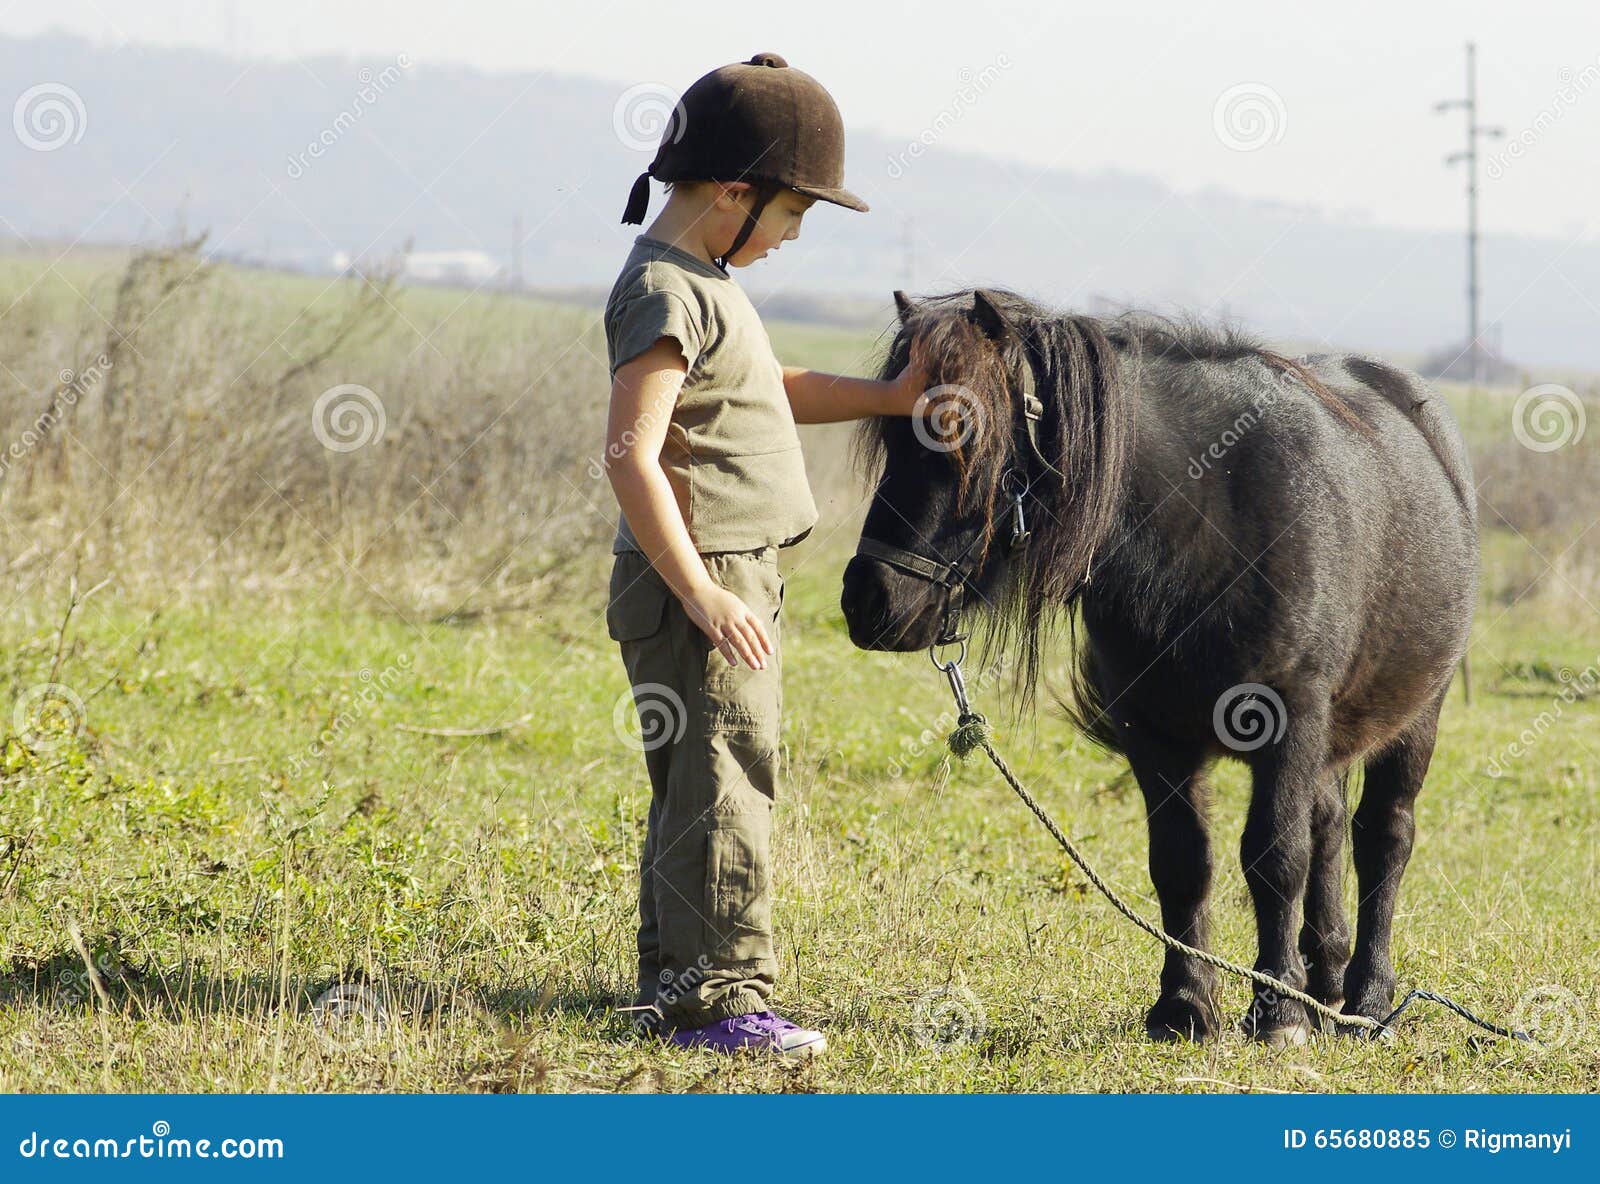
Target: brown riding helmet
[760, 121]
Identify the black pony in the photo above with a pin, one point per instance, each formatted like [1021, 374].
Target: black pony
[1269, 559]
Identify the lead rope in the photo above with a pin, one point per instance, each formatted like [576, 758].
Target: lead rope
[972, 732]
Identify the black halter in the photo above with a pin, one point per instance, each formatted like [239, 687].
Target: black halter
[955, 576]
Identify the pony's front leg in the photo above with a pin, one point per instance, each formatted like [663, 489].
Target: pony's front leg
[1276, 854]
[1175, 798]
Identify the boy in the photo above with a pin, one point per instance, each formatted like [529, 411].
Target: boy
[706, 466]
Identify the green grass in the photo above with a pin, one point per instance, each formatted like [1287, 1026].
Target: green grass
[224, 866]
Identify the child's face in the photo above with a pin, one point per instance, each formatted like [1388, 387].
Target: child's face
[779, 221]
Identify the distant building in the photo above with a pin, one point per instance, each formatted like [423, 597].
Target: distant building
[450, 267]
[1456, 363]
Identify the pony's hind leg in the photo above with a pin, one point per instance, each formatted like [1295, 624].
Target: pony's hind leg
[1325, 933]
[1175, 797]
[1382, 833]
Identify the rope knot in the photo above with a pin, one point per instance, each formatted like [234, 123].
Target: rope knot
[972, 733]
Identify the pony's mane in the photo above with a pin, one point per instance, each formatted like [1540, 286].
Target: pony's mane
[1082, 364]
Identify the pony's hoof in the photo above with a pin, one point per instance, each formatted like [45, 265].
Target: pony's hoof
[1274, 1031]
[1322, 1025]
[1362, 1032]
[1181, 1017]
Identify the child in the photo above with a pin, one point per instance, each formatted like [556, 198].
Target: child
[706, 465]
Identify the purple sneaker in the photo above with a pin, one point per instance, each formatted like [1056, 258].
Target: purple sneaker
[760, 1031]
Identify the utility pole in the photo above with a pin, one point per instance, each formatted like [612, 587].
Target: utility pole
[1475, 132]
[516, 253]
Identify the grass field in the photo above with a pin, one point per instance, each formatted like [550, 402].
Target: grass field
[228, 861]
[240, 825]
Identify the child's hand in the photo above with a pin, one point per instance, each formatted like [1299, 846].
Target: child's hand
[733, 627]
[910, 383]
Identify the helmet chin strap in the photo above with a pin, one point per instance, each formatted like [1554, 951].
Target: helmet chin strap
[764, 194]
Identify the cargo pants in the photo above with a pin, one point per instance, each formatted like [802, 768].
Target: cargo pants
[710, 737]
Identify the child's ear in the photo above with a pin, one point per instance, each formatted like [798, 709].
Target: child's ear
[728, 194]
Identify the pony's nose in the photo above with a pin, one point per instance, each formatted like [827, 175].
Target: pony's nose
[865, 601]
[878, 617]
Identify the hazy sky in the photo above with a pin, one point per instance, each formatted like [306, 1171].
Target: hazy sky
[1346, 91]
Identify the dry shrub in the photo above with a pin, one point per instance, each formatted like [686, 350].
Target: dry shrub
[1549, 503]
[198, 428]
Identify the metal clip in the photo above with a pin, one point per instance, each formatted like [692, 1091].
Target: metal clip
[1019, 526]
[1014, 484]
[952, 671]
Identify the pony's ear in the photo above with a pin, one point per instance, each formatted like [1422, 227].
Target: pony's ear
[903, 306]
[988, 316]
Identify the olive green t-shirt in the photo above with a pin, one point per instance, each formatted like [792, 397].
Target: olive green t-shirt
[731, 454]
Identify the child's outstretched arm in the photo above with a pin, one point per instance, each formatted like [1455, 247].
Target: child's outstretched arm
[815, 397]
[643, 394]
